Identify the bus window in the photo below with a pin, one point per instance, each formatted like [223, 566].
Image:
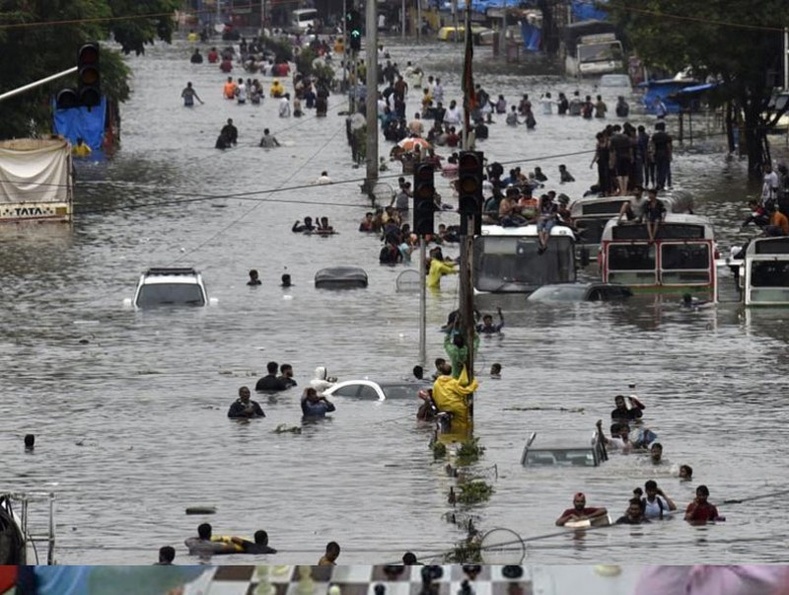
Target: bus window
[684, 256]
[631, 257]
[631, 264]
[769, 274]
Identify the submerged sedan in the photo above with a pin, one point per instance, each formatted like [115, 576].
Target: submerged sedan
[377, 391]
[581, 292]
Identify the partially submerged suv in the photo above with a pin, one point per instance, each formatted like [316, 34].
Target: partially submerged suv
[170, 287]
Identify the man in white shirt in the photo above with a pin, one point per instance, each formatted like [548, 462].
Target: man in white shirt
[620, 437]
[438, 92]
[284, 106]
[241, 92]
[546, 103]
[452, 116]
[656, 503]
[323, 179]
[770, 183]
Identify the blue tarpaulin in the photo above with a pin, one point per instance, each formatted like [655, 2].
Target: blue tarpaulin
[663, 90]
[585, 10]
[81, 122]
[532, 36]
[483, 5]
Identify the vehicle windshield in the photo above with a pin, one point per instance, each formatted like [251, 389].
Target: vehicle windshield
[559, 293]
[401, 391]
[512, 264]
[770, 281]
[600, 52]
[170, 294]
[307, 16]
[560, 456]
[615, 80]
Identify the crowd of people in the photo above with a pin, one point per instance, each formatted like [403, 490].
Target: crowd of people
[279, 378]
[650, 503]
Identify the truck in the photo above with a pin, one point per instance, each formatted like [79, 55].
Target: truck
[36, 180]
[591, 48]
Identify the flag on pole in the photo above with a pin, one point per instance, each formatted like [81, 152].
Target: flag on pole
[467, 85]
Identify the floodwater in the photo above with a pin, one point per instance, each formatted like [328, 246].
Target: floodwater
[129, 408]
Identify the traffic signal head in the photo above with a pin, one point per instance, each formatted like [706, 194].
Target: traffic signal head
[469, 184]
[424, 199]
[469, 187]
[67, 99]
[88, 75]
[354, 28]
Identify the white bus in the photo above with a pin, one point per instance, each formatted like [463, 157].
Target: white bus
[506, 259]
[681, 259]
[764, 274]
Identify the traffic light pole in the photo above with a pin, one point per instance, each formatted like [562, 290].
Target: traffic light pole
[472, 218]
[371, 49]
[422, 302]
[38, 83]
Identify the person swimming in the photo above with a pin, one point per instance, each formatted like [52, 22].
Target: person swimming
[306, 227]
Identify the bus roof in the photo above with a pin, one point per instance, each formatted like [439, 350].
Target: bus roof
[672, 220]
[523, 231]
[769, 248]
[576, 206]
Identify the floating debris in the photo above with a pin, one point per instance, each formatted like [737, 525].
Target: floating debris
[285, 429]
[540, 408]
[201, 510]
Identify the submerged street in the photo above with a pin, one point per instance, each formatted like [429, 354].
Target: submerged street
[129, 408]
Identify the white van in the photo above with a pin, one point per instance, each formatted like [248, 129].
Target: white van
[303, 19]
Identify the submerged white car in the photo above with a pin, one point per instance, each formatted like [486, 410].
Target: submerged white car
[170, 287]
[377, 391]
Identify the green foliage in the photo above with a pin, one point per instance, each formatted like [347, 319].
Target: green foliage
[737, 43]
[44, 37]
[469, 452]
[283, 51]
[154, 18]
[439, 450]
[467, 551]
[474, 492]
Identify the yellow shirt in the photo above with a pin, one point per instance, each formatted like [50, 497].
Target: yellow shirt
[439, 268]
[82, 150]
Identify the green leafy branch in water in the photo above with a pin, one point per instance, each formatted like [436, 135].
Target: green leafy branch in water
[469, 452]
[469, 550]
[439, 449]
[474, 492]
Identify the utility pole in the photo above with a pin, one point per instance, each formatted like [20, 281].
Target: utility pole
[470, 189]
[372, 95]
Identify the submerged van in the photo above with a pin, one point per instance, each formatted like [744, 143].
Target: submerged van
[303, 19]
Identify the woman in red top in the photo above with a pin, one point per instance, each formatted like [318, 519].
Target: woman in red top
[701, 511]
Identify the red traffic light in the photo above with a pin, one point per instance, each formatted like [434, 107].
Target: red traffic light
[470, 172]
[89, 75]
[88, 54]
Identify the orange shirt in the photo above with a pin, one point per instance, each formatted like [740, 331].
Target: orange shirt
[779, 220]
[230, 90]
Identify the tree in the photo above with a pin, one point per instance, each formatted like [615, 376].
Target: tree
[39, 38]
[735, 43]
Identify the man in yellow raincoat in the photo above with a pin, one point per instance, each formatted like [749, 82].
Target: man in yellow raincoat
[438, 268]
[451, 394]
